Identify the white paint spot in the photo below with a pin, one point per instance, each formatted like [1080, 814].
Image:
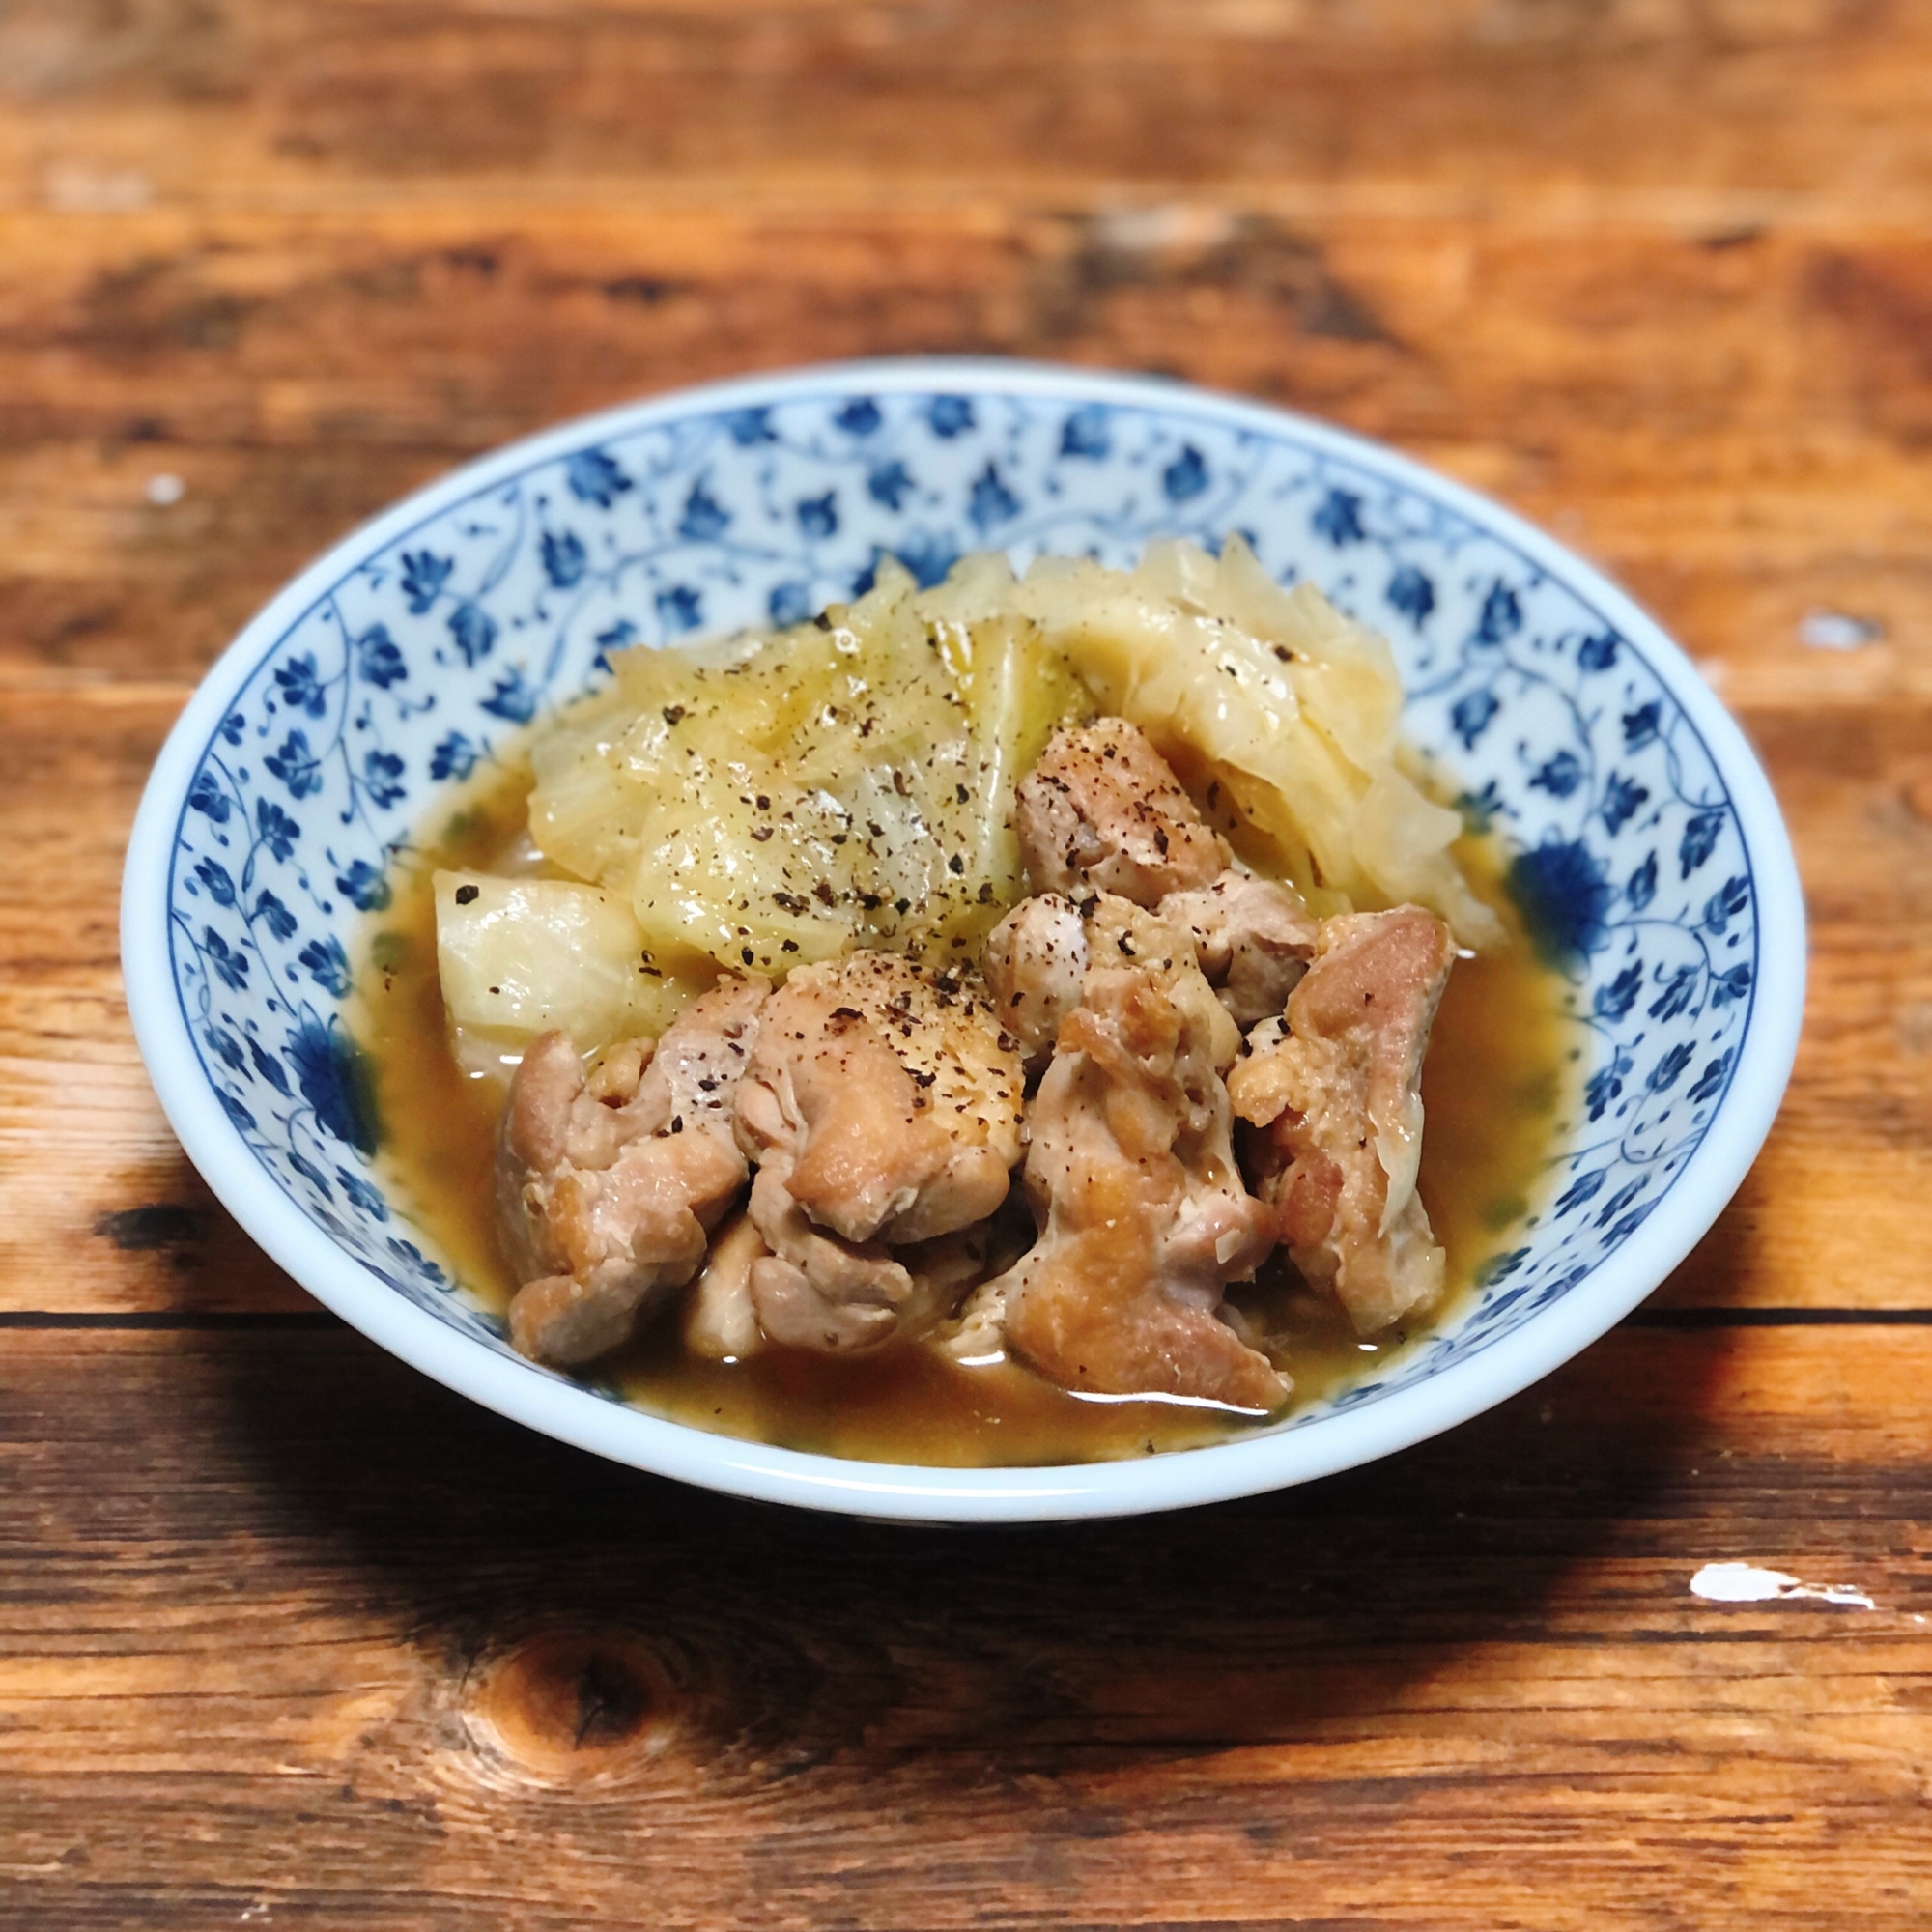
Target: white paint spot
[165, 489]
[1174, 224]
[1747, 1584]
[1834, 631]
[76, 188]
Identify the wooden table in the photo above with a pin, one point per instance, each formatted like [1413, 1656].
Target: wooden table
[289, 1637]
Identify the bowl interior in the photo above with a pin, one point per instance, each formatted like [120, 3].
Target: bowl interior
[404, 658]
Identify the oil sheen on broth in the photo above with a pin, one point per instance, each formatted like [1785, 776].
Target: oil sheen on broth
[1499, 1088]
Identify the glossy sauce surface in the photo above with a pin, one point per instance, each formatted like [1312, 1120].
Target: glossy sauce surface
[1499, 1088]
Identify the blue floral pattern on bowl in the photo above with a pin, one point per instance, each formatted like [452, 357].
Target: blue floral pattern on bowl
[416, 664]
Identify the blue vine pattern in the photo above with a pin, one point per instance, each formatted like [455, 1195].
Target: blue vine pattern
[414, 666]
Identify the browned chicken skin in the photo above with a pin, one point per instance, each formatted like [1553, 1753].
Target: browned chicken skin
[884, 1110]
[607, 1189]
[1035, 961]
[1254, 940]
[1337, 1093]
[1103, 812]
[1144, 1218]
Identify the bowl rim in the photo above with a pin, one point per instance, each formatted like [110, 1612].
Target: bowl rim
[906, 1492]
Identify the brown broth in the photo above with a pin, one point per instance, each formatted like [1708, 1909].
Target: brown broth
[1498, 1088]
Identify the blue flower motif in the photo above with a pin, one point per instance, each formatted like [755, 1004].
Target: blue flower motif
[275, 829]
[680, 609]
[613, 638]
[334, 1079]
[594, 478]
[564, 558]
[512, 698]
[207, 797]
[1501, 616]
[267, 1067]
[1479, 808]
[1186, 476]
[1731, 986]
[1622, 797]
[819, 516]
[748, 427]
[424, 574]
[1339, 518]
[1585, 1187]
[928, 558]
[233, 726]
[226, 1047]
[1499, 1267]
[949, 416]
[1699, 840]
[1086, 433]
[361, 1195]
[704, 520]
[455, 757]
[1621, 1200]
[1676, 995]
[237, 1112]
[1622, 1232]
[1564, 898]
[1598, 653]
[413, 1258]
[380, 661]
[381, 773]
[274, 915]
[1640, 725]
[302, 690]
[473, 629]
[1411, 593]
[890, 484]
[1724, 904]
[310, 1173]
[295, 765]
[789, 604]
[213, 875]
[1643, 887]
[1612, 1002]
[990, 501]
[859, 417]
[1560, 776]
[1471, 715]
[363, 886]
[1710, 1083]
[230, 962]
[1606, 1083]
[1664, 1074]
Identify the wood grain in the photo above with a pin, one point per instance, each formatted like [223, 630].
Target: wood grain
[288, 1636]
[468, 1671]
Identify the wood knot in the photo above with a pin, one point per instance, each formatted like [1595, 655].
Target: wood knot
[570, 1704]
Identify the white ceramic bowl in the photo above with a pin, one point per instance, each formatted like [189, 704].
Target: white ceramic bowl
[1650, 842]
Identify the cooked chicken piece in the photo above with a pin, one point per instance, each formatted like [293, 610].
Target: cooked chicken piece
[1254, 940]
[1337, 1092]
[840, 1297]
[1035, 960]
[720, 1321]
[816, 1290]
[883, 1107]
[1130, 1172]
[1103, 812]
[607, 1189]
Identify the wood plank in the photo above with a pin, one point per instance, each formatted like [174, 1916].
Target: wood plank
[1765, 97]
[1738, 431]
[432, 1667]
